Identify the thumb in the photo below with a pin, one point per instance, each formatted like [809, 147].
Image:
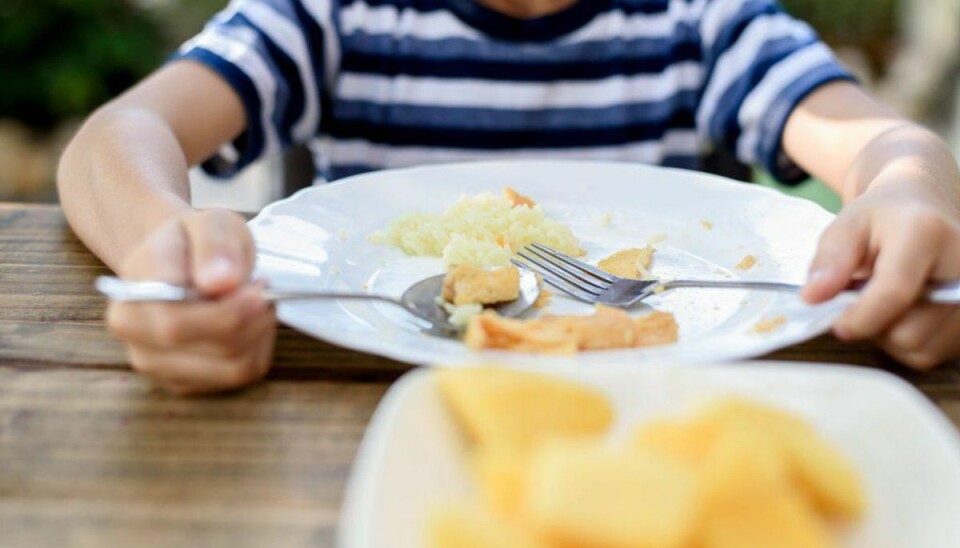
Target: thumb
[220, 249]
[840, 252]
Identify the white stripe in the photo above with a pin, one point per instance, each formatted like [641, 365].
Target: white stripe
[463, 92]
[322, 13]
[734, 62]
[361, 152]
[618, 25]
[233, 45]
[435, 25]
[758, 102]
[290, 38]
[716, 16]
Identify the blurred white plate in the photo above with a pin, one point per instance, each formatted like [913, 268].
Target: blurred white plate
[413, 456]
[318, 238]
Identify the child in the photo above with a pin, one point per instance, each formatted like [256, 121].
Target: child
[371, 84]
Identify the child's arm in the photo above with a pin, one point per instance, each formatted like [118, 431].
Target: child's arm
[900, 224]
[124, 187]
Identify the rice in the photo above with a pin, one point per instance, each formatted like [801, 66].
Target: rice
[482, 230]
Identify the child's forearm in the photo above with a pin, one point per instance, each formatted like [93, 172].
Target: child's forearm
[851, 142]
[125, 172]
[123, 175]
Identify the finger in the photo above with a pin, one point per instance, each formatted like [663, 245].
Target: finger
[939, 345]
[171, 325]
[187, 373]
[899, 274]
[916, 329]
[162, 256]
[221, 251]
[840, 253]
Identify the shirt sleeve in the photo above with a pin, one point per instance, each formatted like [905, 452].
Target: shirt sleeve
[276, 55]
[759, 64]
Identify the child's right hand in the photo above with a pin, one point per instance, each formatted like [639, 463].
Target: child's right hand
[210, 346]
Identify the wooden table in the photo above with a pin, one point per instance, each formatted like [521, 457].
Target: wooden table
[93, 455]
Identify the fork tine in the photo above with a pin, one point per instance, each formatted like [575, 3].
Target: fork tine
[560, 284]
[582, 266]
[560, 273]
[570, 272]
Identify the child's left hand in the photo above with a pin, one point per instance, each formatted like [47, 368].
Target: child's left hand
[900, 233]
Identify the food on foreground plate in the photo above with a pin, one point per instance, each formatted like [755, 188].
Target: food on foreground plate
[606, 328]
[482, 230]
[733, 474]
[515, 410]
[469, 284]
[747, 262]
[633, 264]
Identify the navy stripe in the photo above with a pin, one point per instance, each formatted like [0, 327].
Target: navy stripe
[250, 143]
[289, 101]
[725, 126]
[502, 140]
[494, 119]
[517, 70]
[314, 36]
[772, 156]
[682, 36]
[537, 29]
[732, 31]
[339, 171]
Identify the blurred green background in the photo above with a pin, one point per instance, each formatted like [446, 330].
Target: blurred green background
[63, 58]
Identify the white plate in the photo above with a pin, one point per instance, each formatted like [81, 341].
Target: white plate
[318, 238]
[908, 454]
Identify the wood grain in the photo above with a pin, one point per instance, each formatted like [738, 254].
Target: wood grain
[93, 455]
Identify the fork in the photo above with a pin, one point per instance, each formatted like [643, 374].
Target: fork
[589, 284]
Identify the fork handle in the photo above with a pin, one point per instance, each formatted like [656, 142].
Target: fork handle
[149, 291]
[936, 292]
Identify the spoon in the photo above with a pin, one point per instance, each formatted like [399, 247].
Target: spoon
[420, 299]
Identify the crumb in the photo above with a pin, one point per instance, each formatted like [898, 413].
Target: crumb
[334, 271]
[461, 315]
[468, 284]
[747, 262]
[365, 286]
[516, 199]
[658, 289]
[342, 234]
[632, 263]
[543, 299]
[605, 220]
[606, 328]
[768, 325]
[656, 238]
[707, 225]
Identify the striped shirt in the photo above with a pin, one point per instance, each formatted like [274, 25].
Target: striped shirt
[373, 84]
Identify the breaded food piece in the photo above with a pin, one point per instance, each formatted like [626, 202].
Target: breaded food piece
[747, 262]
[468, 284]
[492, 331]
[517, 199]
[606, 328]
[631, 263]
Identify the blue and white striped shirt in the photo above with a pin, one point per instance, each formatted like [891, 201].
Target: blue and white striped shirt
[372, 84]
